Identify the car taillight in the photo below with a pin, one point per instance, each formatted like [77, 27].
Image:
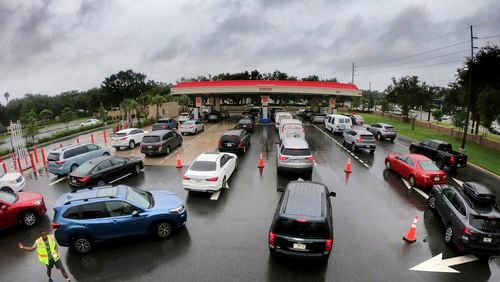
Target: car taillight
[283, 158]
[241, 144]
[359, 140]
[215, 178]
[468, 231]
[301, 220]
[55, 225]
[220, 143]
[452, 159]
[310, 158]
[192, 126]
[84, 179]
[123, 138]
[328, 245]
[271, 239]
[185, 177]
[60, 162]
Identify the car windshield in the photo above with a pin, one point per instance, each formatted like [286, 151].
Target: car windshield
[53, 157]
[428, 165]
[85, 168]
[8, 197]
[203, 166]
[296, 152]
[150, 139]
[302, 228]
[486, 224]
[140, 198]
[189, 122]
[230, 138]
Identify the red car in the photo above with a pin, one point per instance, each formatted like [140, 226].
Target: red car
[419, 170]
[22, 207]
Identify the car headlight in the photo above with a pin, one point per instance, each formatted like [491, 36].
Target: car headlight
[37, 203]
[179, 210]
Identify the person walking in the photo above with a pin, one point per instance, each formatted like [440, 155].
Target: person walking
[46, 248]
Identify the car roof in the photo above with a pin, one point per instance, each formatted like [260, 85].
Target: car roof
[232, 132]
[157, 132]
[67, 147]
[164, 119]
[127, 130]
[384, 124]
[208, 156]
[295, 143]
[290, 120]
[305, 198]
[184, 114]
[363, 131]
[84, 195]
[437, 141]
[415, 157]
[338, 115]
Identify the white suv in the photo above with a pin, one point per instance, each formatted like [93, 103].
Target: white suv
[12, 182]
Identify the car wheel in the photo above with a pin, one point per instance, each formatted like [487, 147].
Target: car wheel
[82, 245]
[168, 150]
[412, 181]
[379, 136]
[392, 139]
[372, 151]
[448, 234]
[412, 150]
[7, 190]
[137, 169]
[101, 183]
[163, 229]
[28, 218]
[195, 131]
[440, 164]
[432, 201]
[105, 154]
[353, 147]
[73, 167]
[388, 164]
[224, 183]
[131, 145]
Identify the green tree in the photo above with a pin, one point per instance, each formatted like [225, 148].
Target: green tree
[46, 114]
[437, 114]
[124, 85]
[183, 100]
[144, 102]
[102, 112]
[406, 92]
[67, 115]
[488, 103]
[459, 118]
[31, 125]
[157, 100]
[127, 106]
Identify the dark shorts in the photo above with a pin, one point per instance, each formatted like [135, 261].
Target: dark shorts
[58, 264]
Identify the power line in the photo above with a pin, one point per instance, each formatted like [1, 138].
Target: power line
[418, 54]
[417, 67]
[491, 36]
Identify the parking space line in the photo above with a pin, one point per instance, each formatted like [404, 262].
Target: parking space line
[58, 180]
[461, 183]
[215, 196]
[406, 183]
[342, 146]
[119, 178]
[421, 193]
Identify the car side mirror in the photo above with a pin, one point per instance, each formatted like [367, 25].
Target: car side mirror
[135, 213]
[4, 208]
[332, 194]
[280, 189]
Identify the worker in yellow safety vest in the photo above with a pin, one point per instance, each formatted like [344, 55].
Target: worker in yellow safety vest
[46, 248]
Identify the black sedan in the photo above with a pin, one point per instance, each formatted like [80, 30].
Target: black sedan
[470, 216]
[246, 123]
[104, 170]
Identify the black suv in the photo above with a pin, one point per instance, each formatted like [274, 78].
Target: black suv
[302, 225]
[470, 215]
[234, 141]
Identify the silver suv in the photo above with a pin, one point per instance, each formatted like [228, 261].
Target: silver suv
[359, 139]
[294, 155]
[383, 130]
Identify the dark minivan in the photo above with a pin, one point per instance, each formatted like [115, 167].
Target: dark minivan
[165, 123]
[303, 225]
[160, 142]
[234, 141]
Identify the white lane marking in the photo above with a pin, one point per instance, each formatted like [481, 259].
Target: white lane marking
[406, 147]
[421, 193]
[57, 181]
[119, 178]
[342, 146]
[406, 183]
[438, 264]
[215, 196]
[461, 183]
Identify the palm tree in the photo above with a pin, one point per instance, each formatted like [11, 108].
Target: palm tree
[144, 101]
[127, 106]
[158, 100]
[6, 96]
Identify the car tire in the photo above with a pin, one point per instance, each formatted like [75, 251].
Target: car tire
[353, 146]
[73, 167]
[131, 144]
[163, 229]
[388, 164]
[448, 234]
[196, 131]
[105, 154]
[392, 139]
[432, 202]
[81, 245]
[440, 164]
[7, 190]
[412, 150]
[372, 151]
[224, 183]
[137, 169]
[101, 183]
[167, 151]
[412, 181]
[29, 218]
[379, 136]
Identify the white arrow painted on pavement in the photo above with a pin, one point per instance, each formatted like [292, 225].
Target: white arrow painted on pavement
[461, 183]
[438, 264]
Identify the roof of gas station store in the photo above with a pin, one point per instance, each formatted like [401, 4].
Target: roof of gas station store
[261, 87]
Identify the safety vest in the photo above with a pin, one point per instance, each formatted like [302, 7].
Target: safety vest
[42, 250]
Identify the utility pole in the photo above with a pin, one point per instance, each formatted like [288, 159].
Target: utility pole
[370, 86]
[352, 77]
[469, 88]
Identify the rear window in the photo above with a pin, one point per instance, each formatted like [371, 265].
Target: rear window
[296, 152]
[389, 128]
[121, 134]
[309, 229]
[53, 157]
[246, 121]
[189, 122]
[292, 127]
[230, 138]
[159, 126]
[150, 139]
[428, 165]
[486, 224]
[203, 166]
[367, 137]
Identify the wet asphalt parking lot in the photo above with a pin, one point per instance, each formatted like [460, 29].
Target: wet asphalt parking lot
[226, 239]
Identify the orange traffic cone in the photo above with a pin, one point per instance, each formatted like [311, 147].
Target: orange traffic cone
[179, 163]
[410, 236]
[261, 161]
[348, 166]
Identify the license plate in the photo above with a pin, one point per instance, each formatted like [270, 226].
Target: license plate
[198, 180]
[436, 178]
[486, 240]
[229, 144]
[299, 246]
[150, 147]
[459, 165]
[367, 146]
[73, 180]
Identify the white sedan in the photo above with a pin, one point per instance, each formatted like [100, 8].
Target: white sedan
[184, 117]
[209, 172]
[89, 122]
[12, 182]
[191, 126]
[129, 137]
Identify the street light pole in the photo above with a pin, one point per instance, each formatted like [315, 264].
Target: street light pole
[469, 88]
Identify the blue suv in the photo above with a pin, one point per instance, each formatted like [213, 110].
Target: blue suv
[89, 216]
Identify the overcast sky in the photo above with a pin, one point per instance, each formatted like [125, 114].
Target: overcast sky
[53, 46]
